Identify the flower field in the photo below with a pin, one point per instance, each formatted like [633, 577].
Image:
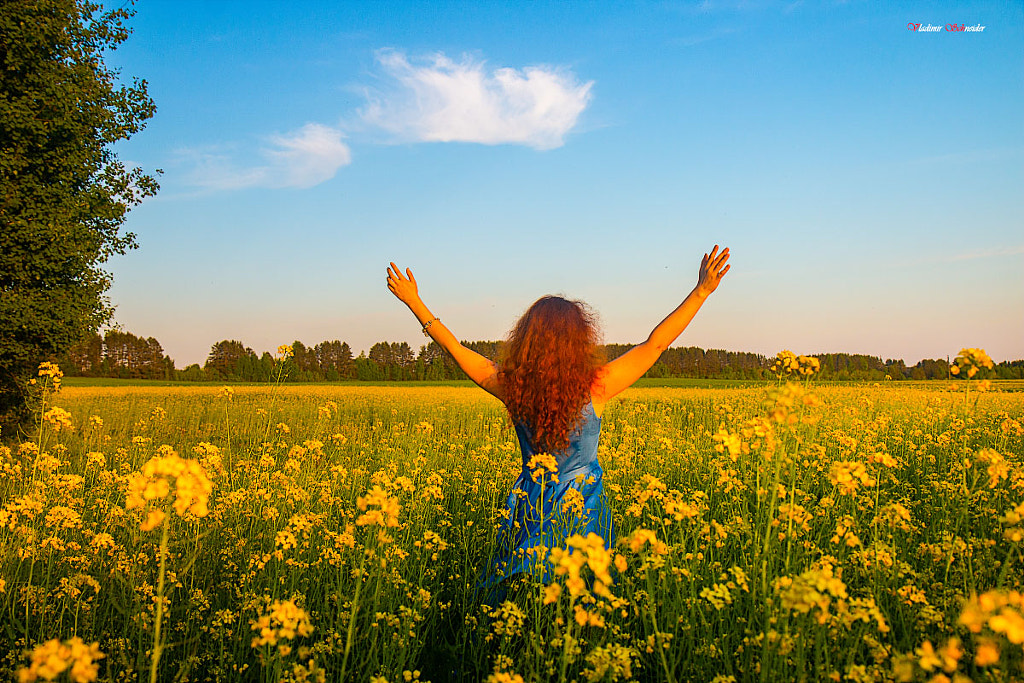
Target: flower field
[337, 533]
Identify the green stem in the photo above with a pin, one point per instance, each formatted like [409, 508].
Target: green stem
[566, 640]
[352, 619]
[157, 645]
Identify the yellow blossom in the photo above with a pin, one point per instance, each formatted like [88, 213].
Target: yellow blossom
[59, 419]
[284, 621]
[541, 465]
[386, 512]
[148, 489]
[54, 657]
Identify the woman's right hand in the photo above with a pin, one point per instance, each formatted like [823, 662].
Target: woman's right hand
[711, 271]
[403, 287]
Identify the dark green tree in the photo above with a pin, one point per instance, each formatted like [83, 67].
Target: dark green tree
[64, 195]
[228, 358]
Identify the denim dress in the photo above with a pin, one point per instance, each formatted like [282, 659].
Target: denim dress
[541, 512]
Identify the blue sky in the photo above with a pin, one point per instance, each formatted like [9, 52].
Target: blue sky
[866, 177]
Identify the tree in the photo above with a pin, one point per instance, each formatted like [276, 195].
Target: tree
[65, 195]
[226, 357]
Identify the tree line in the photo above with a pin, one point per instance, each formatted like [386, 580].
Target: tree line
[122, 354]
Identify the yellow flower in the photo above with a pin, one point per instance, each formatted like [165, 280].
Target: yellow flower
[583, 551]
[847, 476]
[54, 657]
[641, 537]
[927, 659]
[988, 653]
[386, 514]
[504, 677]
[148, 489]
[1009, 622]
[59, 419]
[950, 654]
[543, 464]
[53, 371]
[284, 621]
[285, 351]
[814, 588]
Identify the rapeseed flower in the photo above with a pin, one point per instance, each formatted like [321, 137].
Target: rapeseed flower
[282, 623]
[59, 419]
[543, 465]
[148, 489]
[52, 658]
[386, 512]
[971, 360]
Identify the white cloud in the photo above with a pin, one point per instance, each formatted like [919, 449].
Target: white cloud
[303, 158]
[440, 100]
[987, 253]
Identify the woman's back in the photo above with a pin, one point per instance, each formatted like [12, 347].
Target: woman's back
[582, 448]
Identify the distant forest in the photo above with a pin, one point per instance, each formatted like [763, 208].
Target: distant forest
[122, 354]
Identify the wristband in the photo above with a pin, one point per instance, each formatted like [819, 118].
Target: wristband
[427, 325]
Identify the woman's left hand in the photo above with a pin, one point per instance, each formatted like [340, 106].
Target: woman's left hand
[712, 269]
[402, 286]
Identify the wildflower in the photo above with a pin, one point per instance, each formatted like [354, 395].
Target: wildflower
[641, 537]
[882, 458]
[1014, 534]
[814, 588]
[583, 552]
[543, 464]
[54, 657]
[998, 469]
[153, 484]
[53, 372]
[508, 618]
[228, 393]
[96, 422]
[788, 363]
[718, 595]
[503, 677]
[284, 621]
[62, 517]
[573, 504]
[849, 475]
[973, 360]
[987, 653]
[649, 487]
[386, 514]
[584, 617]
[612, 662]
[950, 654]
[285, 351]
[59, 419]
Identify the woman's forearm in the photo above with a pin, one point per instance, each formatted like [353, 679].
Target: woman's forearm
[673, 325]
[478, 368]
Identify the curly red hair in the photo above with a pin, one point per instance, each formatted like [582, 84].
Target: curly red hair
[549, 364]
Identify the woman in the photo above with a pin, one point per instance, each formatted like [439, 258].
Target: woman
[555, 388]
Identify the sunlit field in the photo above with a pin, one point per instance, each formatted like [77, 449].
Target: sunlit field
[788, 532]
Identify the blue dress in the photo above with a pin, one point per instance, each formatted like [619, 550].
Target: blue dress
[542, 512]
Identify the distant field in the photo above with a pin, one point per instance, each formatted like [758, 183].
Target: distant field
[669, 382]
[766, 533]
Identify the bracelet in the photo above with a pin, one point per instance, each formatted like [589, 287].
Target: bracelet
[427, 325]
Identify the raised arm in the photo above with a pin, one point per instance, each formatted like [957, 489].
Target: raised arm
[620, 373]
[479, 369]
